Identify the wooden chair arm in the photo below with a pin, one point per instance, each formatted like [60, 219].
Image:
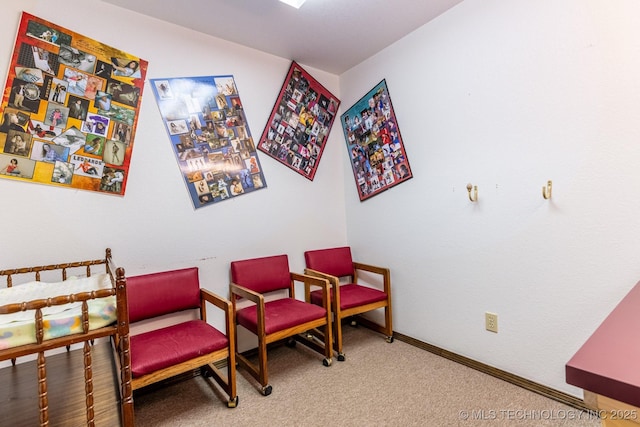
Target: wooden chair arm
[335, 281]
[335, 284]
[224, 305]
[217, 300]
[370, 268]
[246, 293]
[309, 281]
[257, 298]
[384, 272]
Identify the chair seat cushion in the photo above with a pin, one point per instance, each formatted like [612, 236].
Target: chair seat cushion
[352, 295]
[164, 347]
[280, 314]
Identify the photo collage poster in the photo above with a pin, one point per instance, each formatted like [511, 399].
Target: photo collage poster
[374, 144]
[69, 109]
[299, 125]
[210, 137]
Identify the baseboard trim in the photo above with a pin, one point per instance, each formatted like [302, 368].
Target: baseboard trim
[543, 390]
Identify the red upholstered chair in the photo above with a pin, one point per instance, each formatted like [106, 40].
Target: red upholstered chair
[275, 314]
[165, 352]
[348, 297]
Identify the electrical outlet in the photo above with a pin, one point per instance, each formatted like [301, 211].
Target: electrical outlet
[491, 322]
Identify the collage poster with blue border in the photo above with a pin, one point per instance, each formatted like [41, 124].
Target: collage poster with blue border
[210, 137]
[69, 110]
[374, 144]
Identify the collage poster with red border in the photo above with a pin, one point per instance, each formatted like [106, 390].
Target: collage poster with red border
[301, 119]
[69, 109]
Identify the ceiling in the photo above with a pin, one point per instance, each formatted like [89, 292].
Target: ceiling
[330, 35]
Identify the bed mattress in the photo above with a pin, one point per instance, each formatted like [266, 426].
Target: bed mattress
[18, 329]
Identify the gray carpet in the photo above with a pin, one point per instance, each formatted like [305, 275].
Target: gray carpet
[380, 384]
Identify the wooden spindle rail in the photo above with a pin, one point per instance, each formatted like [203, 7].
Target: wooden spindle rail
[119, 332]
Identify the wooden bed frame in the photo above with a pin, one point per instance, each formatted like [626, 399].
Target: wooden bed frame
[117, 331]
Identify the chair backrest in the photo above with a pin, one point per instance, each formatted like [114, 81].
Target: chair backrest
[262, 275]
[155, 294]
[334, 261]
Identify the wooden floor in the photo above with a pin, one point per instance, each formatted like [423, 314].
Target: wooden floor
[65, 385]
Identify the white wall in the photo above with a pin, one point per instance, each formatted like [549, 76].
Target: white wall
[503, 94]
[154, 226]
[507, 94]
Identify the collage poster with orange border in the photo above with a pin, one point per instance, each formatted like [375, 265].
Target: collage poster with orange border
[69, 110]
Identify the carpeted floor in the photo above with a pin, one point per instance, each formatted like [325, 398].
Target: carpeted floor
[380, 384]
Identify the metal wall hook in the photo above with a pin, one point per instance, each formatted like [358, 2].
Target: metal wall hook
[475, 192]
[546, 191]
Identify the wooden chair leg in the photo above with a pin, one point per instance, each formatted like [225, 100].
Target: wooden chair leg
[338, 339]
[387, 324]
[231, 382]
[328, 339]
[263, 370]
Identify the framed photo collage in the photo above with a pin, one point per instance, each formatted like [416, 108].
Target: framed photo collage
[299, 125]
[374, 143]
[69, 109]
[70, 113]
[210, 137]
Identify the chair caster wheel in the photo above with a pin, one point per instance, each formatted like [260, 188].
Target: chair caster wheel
[327, 362]
[390, 339]
[266, 391]
[233, 403]
[291, 342]
[341, 357]
[353, 323]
